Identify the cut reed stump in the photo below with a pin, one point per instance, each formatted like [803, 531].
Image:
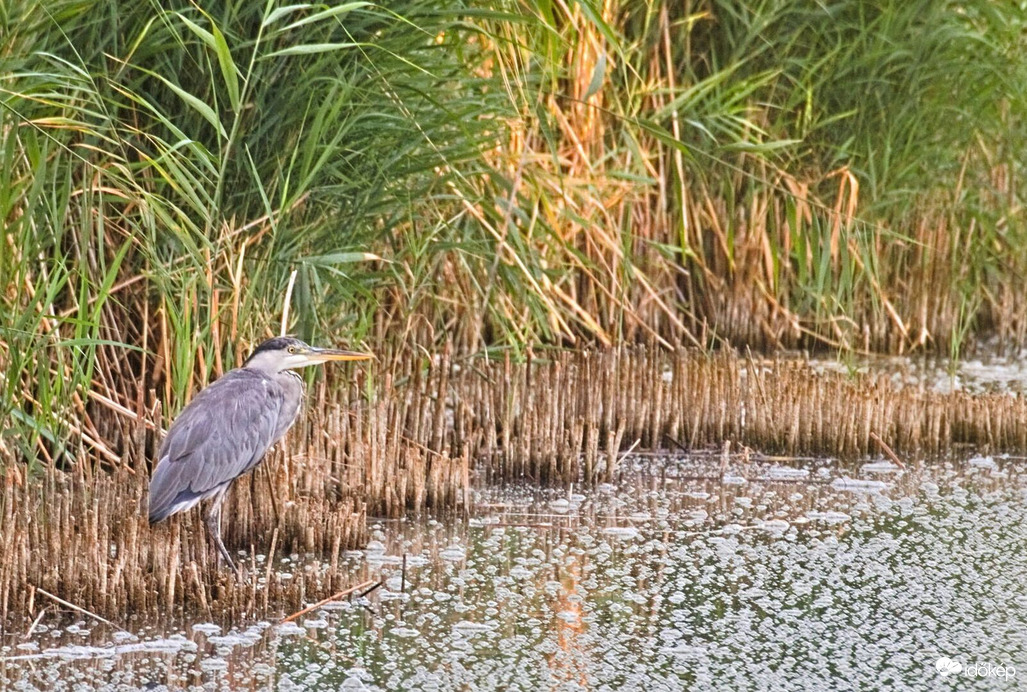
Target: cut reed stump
[80, 534]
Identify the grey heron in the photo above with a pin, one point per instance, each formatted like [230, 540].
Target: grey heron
[228, 427]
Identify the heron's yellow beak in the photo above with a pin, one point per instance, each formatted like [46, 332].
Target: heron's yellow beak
[326, 354]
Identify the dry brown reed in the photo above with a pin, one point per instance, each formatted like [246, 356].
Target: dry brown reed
[80, 533]
[770, 256]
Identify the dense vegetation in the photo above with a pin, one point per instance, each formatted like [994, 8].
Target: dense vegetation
[175, 183]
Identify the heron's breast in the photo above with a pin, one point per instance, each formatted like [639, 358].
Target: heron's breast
[292, 390]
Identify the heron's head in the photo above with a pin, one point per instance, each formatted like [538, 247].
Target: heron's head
[284, 353]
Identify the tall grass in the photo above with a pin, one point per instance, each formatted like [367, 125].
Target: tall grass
[169, 172]
[480, 175]
[785, 174]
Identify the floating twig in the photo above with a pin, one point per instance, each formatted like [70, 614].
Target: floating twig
[35, 622]
[887, 450]
[334, 597]
[74, 607]
[380, 583]
[368, 608]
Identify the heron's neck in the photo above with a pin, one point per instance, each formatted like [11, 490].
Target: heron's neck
[291, 374]
[270, 368]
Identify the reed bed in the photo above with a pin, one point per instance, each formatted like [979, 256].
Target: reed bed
[427, 430]
[714, 171]
[704, 173]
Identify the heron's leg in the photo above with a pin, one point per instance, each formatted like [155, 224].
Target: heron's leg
[213, 521]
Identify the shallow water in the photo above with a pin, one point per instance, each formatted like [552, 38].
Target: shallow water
[990, 372]
[756, 574]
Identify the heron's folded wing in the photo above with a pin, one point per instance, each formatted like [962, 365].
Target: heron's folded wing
[223, 432]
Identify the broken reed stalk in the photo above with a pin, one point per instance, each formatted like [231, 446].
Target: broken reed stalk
[74, 607]
[81, 534]
[369, 584]
[888, 452]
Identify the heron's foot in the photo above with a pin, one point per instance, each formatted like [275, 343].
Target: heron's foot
[232, 565]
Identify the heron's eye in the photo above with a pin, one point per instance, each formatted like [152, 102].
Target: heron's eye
[291, 349]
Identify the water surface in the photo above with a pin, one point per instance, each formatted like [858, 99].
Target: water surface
[689, 573]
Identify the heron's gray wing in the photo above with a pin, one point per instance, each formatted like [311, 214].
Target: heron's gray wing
[223, 432]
